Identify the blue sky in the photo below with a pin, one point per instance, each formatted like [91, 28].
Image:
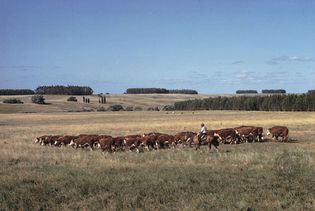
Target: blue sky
[210, 46]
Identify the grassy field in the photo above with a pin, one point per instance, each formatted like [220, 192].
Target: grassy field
[59, 103]
[259, 176]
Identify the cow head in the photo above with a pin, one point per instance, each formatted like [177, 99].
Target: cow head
[268, 132]
[218, 136]
[71, 143]
[36, 140]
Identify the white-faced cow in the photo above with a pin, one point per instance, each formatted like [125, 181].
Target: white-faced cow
[226, 135]
[278, 131]
[84, 141]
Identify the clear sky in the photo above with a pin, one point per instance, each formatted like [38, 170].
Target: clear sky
[212, 46]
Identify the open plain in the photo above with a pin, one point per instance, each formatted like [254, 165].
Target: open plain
[259, 176]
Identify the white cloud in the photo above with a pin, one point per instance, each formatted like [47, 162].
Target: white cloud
[278, 60]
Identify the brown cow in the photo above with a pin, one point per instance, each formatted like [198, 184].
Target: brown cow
[64, 140]
[244, 133]
[104, 136]
[106, 144]
[184, 137]
[249, 133]
[152, 133]
[149, 141]
[85, 141]
[258, 133]
[41, 139]
[50, 140]
[132, 142]
[226, 135]
[212, 139]
[118, 143]
[163, 141]
[279, 131]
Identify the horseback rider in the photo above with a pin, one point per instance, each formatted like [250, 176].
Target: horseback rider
[203, 132]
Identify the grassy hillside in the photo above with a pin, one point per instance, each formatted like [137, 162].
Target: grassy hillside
[260, 176]
[58, 103]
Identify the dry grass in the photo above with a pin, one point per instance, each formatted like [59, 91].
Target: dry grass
[262, 176]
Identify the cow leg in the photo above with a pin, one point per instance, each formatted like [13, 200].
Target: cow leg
[198, 145]
[189, 144]
[91, 147]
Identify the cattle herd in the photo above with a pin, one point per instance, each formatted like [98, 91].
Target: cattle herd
[155, 140]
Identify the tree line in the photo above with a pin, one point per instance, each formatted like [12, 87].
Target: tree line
[16, 92]
[246, 92]
[290, 102]
[264, 91]
[64, 90]
[159, 91]
[273, 91]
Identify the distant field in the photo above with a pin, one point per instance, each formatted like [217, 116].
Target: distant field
[58, 103]
[260, 176]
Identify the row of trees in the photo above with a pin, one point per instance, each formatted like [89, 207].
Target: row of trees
[64, 90]
[264, 91]
[273, 91]
[291, 102]
[246, 92]
[183, 91]
[159, 91]
[16, 92]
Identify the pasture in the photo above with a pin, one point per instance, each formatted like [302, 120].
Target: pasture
[252, 176]
[59, 103]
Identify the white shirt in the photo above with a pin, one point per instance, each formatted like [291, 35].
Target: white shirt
[203, 129]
